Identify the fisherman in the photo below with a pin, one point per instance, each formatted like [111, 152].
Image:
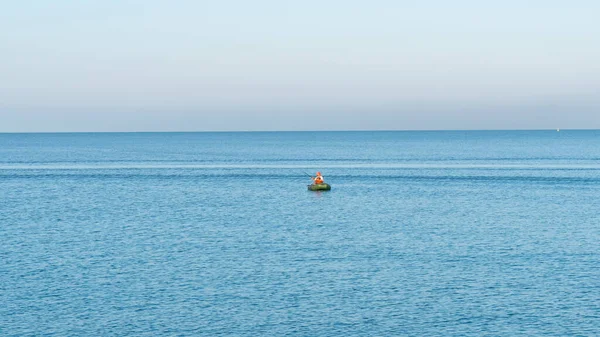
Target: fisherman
[318, 179]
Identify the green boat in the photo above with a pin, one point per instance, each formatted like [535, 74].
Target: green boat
[319, 187]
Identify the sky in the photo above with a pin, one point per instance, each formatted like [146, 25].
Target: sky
[108, 65]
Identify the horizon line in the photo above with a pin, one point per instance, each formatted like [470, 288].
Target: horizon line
[296, 131]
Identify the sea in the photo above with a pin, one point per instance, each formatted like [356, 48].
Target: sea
[424, 233]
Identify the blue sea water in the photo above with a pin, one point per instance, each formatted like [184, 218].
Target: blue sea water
[474, 233]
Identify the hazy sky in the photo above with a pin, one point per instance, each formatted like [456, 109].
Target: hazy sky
[298, 65]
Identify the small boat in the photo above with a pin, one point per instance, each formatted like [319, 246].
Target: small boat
[319, 187]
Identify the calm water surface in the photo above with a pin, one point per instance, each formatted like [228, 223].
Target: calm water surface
[187, 234]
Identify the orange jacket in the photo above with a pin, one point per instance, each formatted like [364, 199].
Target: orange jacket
[318, 180]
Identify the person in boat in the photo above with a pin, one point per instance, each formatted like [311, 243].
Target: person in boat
[318, 179]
